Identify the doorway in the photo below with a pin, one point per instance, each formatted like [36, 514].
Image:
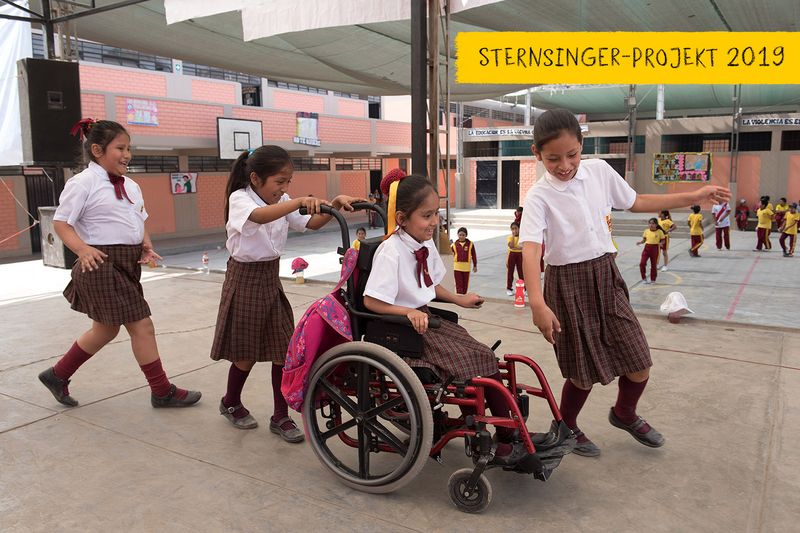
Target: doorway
[510, 191]
[486, 184]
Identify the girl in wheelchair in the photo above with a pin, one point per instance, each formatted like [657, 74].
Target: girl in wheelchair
[406, 275]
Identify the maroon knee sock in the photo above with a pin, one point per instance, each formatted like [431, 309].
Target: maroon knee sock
[627, 398]
[498, 407]
[572, 400]
[281, 407]
[71, 361]
[157, 379]
[233, 396]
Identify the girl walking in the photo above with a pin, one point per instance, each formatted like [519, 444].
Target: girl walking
[652, 238]
[101, 218]
[255, 320]
[585, 311]
[667, 226]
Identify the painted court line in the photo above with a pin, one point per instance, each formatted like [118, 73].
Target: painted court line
[741, 289]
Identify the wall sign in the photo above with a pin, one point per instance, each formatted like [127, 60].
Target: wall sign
[682, 167]
[771, 121]
[307, 129]
[142, 112]
[183, 182]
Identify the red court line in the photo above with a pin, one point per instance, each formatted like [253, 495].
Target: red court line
[741, 290]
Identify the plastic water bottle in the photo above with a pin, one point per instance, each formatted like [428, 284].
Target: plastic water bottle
[205, 262]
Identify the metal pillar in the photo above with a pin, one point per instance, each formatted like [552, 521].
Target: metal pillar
[433, 93]
[629, 164]
[737, 117]
[49, 30]
[419, 47]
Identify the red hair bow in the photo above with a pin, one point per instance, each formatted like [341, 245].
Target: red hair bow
[82, 127]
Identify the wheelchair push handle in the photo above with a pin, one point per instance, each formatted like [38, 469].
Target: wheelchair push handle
[434, 322]
[357, 206]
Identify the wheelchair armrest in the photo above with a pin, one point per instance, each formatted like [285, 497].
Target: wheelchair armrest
[433, 322]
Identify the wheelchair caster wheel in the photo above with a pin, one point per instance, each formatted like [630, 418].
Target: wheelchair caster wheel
[469, 501]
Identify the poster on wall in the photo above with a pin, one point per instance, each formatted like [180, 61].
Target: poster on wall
[307, 126]
[183, 182]
[142, 112]
[682, 167]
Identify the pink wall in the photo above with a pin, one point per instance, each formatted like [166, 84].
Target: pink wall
[310, 103]
[349, 107]
[527, 177]
[393, 134]
[177, 119]
[276, 125]
[313, 183]
[93, 106]
[214, 91]
[211, 200]
[121, 81]
[344, 130]
[8, 218]
[158, 202]
[353, 183]
[793, 185]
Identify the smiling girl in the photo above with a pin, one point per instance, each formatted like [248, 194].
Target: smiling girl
[255, 320]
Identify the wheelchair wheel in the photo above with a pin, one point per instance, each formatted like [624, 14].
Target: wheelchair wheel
[349, 389]
[475, 501]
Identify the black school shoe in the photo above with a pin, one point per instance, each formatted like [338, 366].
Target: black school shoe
[57, 387]
[584, 449]
[192, 397]
[652, 438]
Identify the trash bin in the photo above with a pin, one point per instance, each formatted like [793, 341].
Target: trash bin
[54, 252]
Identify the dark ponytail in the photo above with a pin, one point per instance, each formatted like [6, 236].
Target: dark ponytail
[265, 161]
[99, 132]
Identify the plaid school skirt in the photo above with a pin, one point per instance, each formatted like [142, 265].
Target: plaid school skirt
[112, 294]
[255, 320]
[450, 350]
[600, 336]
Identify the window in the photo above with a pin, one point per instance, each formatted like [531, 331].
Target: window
[482, 149]
[358, 164]
[311, 163]
[717, 145]
[790, 140]
[153, 164]
[209, 163]
[682, 143]
[755, 141]
[511, 148]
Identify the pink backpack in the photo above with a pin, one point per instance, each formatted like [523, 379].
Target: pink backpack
[325, 324]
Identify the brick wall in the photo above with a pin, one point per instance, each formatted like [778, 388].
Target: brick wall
[349, 107]
[176, 119]
[310, 103]
[313, 183]
[353, 183]
[275, 125]
[472, 193]
[214, 91]
[793, 177]
[211, 200]
[93, 105]
[527, 177]
[8, 218]
[158, 202]
[393, 134]
[344, 130]
[121, 81]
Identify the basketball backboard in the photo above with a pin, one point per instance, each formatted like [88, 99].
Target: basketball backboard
[237, 135]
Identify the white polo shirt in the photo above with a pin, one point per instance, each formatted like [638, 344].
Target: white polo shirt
[393, 276]
[249, 241]
[572, 217]
[90, 205]
[725, 219]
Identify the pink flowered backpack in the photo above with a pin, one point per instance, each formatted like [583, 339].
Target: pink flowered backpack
[325, 324]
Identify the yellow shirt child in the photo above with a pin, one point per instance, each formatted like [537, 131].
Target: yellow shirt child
[696, 224]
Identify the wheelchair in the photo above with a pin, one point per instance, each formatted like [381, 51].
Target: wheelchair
[373, 420]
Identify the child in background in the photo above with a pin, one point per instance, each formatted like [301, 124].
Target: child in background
[463, 255]
[722, 224]
[789, 230]
[742, 214]
[780, 211]
[651, 238]
[765, 215]
[667, 226]
[255, 321]
[514, 259]
[361, 234]
[518, 215]
[101, 218]
[585, 312]
[695, 231]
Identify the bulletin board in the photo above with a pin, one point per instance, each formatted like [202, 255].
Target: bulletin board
[691, 167]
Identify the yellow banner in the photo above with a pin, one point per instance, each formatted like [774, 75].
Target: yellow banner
[530, 58]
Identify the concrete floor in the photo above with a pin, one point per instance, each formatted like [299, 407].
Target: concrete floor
[724, 394]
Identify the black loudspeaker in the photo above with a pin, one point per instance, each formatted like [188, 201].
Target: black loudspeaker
[50, 104]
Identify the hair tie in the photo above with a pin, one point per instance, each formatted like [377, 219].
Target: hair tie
[389, 185]
[82, 127]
